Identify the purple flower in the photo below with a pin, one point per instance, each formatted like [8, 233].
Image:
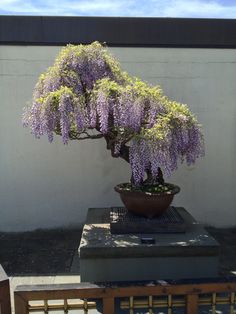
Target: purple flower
[103, 111]
[65, 107]
[86, 89]
[136, 162]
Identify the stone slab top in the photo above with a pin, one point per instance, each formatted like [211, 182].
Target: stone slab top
[98, 242]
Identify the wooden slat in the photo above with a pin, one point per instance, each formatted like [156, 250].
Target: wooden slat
[192, 304]
[74, 291]
[171, 289]
[131, 305]
[213, 303]
[150, 304]
[5, 302]
[232, 302]
[108, 306]
[5, 299]
[21, 305]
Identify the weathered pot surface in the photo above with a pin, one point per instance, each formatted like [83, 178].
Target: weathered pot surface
[148, 204]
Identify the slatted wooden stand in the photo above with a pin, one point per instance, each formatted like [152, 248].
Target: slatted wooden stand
[194, 297]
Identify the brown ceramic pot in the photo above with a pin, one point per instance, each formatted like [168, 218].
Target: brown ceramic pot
[146, 204]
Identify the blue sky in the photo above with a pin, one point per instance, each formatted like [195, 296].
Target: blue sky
[142, 8]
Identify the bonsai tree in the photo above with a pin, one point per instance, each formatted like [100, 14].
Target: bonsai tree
[86, 95]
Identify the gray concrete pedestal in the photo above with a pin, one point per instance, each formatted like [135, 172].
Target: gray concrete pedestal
[108, 257]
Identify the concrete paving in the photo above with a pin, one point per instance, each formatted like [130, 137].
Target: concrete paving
[54, 252]
[41, 252]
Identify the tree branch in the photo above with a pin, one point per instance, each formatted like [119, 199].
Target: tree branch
[78, 136]
[124, 150]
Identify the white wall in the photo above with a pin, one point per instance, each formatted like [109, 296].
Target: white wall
[46, 185]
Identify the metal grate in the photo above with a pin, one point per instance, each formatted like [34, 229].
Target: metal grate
[122, 222]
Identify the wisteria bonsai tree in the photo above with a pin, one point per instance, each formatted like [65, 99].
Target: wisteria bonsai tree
[86, 95]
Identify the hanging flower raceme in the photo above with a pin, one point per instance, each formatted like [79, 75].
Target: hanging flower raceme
[81, 115]
[175, 136]
[137, 161]
[103, 111]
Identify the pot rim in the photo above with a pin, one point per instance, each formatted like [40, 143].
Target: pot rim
[176, 189]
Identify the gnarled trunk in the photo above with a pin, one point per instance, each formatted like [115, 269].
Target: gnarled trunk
[124, 154]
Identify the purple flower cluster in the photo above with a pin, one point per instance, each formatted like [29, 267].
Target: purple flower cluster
[86, 89]
[103, 111]
[179, 144]
[61, 99]
[80, 114]
[65, 108]
[126, 111]
[137, 161]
